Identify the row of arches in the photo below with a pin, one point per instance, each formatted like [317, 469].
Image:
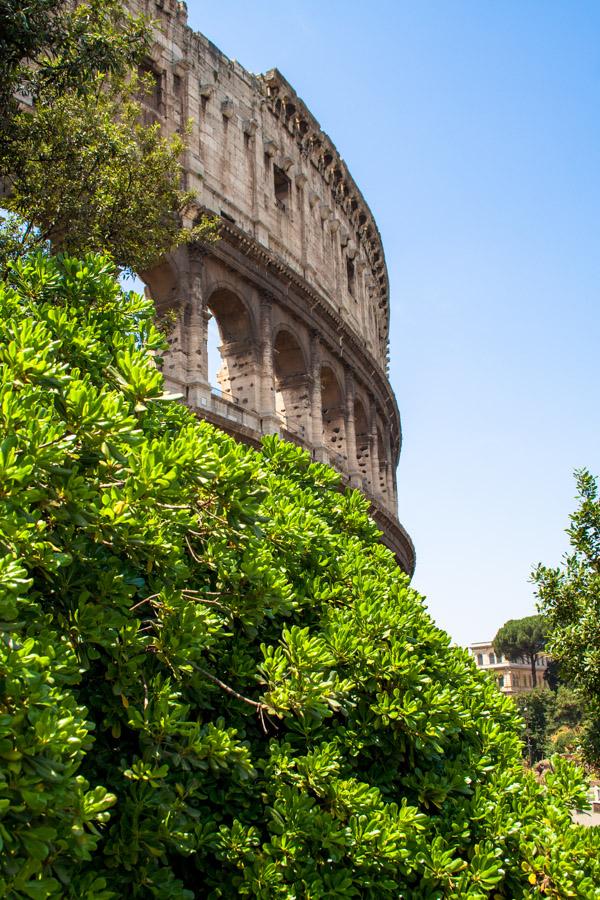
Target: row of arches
[241, 354]
[310, 400]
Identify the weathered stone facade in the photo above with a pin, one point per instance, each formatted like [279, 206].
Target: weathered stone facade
[297, 283]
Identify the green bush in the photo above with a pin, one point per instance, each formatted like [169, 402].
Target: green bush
[215, 680]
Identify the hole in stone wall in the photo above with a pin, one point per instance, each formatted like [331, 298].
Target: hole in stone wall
[151, 93]
[281, 184]
[350, 275]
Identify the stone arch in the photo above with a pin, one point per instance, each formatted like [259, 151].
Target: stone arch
[292, 401]
[361, 427]
[162, 284]
[232, 315]
[332, 406]
[382, 464]
[237, 376]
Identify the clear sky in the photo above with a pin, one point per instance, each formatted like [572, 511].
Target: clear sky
[473, 131]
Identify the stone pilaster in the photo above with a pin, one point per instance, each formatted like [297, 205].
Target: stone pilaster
[391, 491]
[374, 450]
[350, 427]
[196, 341]
[375, 463]
[316, 410]
[269, 419]
[175, 358]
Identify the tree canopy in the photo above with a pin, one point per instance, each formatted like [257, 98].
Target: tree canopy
[569, 598]
[63, 46]
[522, 639]
[215, 679]
[77, 165]
[552, 721]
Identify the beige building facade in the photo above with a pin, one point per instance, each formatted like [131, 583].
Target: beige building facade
[512, 677]
[297, 283]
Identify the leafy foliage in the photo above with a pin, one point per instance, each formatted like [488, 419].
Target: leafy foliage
[522, 639]
[570, 601]
[552, 722]
[62, 46]
[78, 166]
[89, 176]
[216, 681]
[570, 596]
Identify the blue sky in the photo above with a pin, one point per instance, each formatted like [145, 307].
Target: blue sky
[472, 129]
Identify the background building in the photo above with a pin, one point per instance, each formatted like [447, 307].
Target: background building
[297, 284]
[512, 677]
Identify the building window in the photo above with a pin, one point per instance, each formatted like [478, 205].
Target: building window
[281, 183]
[152, 86]
[501, 681]
[499, 658]
[492, 659]
[480, 659]
[350, 274]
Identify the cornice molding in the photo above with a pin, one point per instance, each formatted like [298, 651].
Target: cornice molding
[317, 147]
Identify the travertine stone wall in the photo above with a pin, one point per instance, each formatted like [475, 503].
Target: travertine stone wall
[297, 284]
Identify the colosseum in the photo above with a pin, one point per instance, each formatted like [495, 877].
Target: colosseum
[297, 283]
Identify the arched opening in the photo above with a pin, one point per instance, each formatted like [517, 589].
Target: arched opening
[383, 465]
[161, 283]
[231, 350]
[213, 344]
[291, 384]
[332, 404]
[363, 455]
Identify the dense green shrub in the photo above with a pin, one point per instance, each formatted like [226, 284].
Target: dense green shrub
[215, 680]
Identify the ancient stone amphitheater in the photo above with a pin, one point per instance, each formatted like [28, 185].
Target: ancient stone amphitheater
[297, 283]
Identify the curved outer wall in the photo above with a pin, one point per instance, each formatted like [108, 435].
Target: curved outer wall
[297, 283]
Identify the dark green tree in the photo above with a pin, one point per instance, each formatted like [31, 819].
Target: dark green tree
[62, 46]
[549, 715]
[77, 166]
[569, 597]
[215, 680]
[85, 175]
[522, 639]
[536, 707]
[567, 711]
